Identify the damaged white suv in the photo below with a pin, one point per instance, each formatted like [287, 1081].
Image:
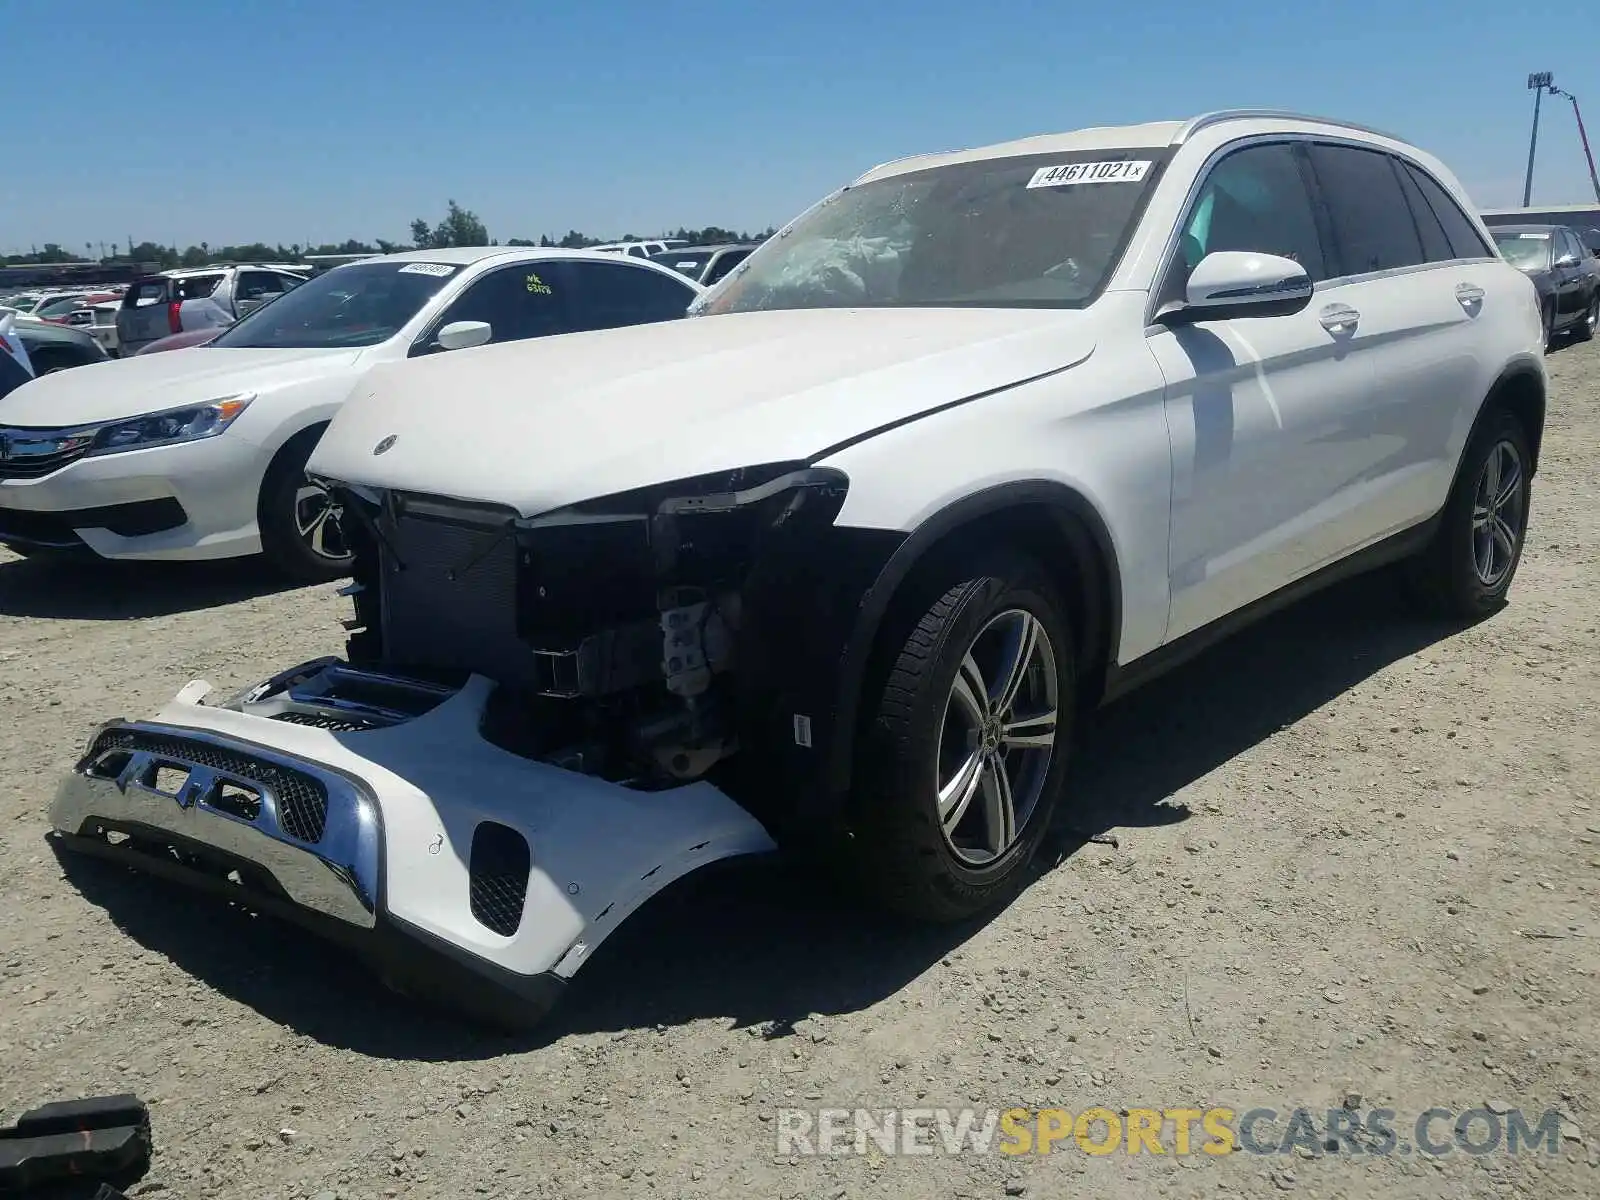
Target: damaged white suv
[977, 442]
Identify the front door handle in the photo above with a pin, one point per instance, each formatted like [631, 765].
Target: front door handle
[1469, 294]
[1339, 319]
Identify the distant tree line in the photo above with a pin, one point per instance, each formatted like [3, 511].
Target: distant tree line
[460, 227]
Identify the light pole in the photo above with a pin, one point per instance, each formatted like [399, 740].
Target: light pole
[1537, 83]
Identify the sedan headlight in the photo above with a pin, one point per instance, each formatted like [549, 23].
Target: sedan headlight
[169, 427]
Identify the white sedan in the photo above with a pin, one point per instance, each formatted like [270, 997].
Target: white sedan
[200, 453]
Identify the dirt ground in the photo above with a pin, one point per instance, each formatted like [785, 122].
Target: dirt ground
[1357, 859]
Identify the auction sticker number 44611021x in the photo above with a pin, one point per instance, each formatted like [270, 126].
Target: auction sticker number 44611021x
[1090, 172]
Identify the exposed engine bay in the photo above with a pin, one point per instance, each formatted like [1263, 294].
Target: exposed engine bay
[622, 631]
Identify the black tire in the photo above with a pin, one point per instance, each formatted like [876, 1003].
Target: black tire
[1447, 579]
[899, 843]
[1584, 329]
[282, 540]
[1547, 311]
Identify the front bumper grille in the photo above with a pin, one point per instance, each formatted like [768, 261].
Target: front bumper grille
[302, 800]
[307, 833]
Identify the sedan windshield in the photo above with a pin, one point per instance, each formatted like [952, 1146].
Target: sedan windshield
[1041, 231]
[1525, 251]
[358, 305]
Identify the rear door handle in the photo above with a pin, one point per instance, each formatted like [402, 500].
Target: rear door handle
[1339, 319]
[1469, 294]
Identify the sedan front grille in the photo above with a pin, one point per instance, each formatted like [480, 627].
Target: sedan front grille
[30, 453]
[302, 799]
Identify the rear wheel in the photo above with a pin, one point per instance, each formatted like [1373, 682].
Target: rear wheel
[963, 763]
[1547, 313]
[302, 525]
[1584, 330]
[1467, 568]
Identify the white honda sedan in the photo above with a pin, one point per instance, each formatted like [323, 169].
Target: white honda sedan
[200, 453]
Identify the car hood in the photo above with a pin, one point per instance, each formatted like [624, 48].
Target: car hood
[538, 425]
[127, 387]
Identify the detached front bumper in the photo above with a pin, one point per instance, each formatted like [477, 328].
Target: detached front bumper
[371, 810]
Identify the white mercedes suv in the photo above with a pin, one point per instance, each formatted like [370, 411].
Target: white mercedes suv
[975, 443]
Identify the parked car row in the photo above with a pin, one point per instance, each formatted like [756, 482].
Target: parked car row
[183, 301]
[982, 440]
[129, 462]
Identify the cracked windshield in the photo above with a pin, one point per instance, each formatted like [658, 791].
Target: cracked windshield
[1007, 232]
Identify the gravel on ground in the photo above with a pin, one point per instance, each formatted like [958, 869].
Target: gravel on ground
[1347, 858]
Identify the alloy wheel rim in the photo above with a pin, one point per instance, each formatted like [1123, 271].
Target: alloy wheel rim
[1594, 313]
[1498, 511]
[319, 518]
[997, 737]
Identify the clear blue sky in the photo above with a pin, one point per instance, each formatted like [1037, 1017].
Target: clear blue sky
[281, 120]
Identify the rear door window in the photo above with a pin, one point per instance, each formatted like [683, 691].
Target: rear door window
[611, 295]
[1436, 245]
[1465, 240]
[1372, 225]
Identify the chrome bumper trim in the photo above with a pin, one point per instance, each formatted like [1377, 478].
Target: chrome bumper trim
[337, 875]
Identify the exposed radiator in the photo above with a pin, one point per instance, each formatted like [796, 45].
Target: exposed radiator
[452, 604]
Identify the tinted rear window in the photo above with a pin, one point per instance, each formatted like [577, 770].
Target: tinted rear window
[147, 291]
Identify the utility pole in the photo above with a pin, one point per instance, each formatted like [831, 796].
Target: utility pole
[1537, 83]
[1583, 136]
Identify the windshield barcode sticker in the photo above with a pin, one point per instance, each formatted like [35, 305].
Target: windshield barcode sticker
[439, 269]
[1089, 172]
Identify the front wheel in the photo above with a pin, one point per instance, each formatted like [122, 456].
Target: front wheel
[963, 761]
[302, 525]
[1467, 568]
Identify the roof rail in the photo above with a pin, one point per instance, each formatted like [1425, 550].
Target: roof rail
[1205, 120]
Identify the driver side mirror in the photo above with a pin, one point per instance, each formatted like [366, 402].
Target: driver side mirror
[459, 335]
[1567, 260]
[1240, 283]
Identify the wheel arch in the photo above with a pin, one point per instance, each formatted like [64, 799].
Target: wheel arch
[306, 436]
[1052, 520]
[1521, 390]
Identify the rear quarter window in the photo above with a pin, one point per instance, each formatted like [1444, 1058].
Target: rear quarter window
[197, 287]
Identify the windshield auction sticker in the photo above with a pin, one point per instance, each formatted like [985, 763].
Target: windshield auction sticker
[421, 268]
[1089, 172]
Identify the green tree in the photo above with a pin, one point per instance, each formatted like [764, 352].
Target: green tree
[421, 235]
[460, 227]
